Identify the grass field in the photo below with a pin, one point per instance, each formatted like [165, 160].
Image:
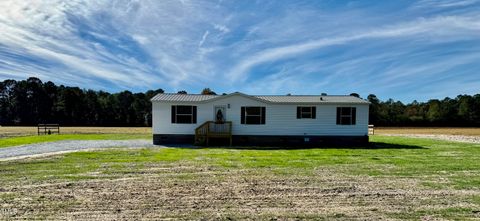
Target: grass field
[395, 178]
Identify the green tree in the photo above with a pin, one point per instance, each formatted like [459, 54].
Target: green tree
[355, 95]
[433, 112]
[208, 91]
[7, 102]
[373, 114]
[466, 108]
[414, 113]
[93, 108]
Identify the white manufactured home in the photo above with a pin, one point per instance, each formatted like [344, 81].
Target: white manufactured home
[259, 120]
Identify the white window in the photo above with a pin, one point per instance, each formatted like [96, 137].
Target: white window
[346, 115]
[183, 114]
[253, 115]
[306, 112]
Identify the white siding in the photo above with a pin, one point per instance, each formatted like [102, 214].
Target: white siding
[281, 119]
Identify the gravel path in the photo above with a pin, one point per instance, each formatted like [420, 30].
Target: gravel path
[456, 138]
[68, 146]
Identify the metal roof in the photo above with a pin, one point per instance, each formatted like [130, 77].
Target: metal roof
[287, 99]
[183, 97]
[312, 99]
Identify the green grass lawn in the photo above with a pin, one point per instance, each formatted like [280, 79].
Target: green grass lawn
[22, 140]
[395, 178]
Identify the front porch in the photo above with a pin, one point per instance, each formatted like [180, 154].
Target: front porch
[211, 129]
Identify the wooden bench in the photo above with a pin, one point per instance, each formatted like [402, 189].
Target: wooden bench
[48, 129]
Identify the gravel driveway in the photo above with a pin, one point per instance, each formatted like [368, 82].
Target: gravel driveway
[456, 138]
[68, 146]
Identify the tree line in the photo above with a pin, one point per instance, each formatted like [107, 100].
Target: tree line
[31, 101]
[464, 110]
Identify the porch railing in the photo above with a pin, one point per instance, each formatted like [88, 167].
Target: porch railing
[211, 129]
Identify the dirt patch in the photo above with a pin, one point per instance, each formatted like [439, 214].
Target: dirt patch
[23, 131]
[193, 192]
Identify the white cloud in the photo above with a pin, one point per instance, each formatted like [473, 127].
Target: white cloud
[444, 3]
[222, 28]
[204, 37]
[45, 30]
[441, 26]
[141, 39]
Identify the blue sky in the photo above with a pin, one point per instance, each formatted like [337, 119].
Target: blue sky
[404, 50]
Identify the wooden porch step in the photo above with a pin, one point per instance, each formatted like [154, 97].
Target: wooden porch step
[211, 129]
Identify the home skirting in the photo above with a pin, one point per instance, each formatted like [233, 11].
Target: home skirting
[264, 140]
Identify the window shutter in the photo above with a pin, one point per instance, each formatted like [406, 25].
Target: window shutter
[174, 111]
[314, 112]
[339, 110]
[263, 115]
[242, 115]
[194, 114]
[299, 110]
[354, 115]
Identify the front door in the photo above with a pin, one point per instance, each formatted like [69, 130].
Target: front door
[219, 114]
